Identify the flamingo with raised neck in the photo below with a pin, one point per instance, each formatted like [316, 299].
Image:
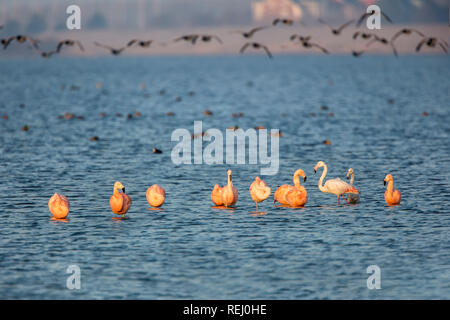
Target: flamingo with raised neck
[335, 186]
[352, 197]
[226, 196]
[259, 191]
[295, 195]
[120, 202]
[392, 196]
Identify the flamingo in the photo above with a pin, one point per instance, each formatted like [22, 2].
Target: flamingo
[295, 195]
[392, 196]
[351, 197]
[59, 206]
[226, 196]
[259, 191]
[120, 202]
[156, 195]
[334, 186]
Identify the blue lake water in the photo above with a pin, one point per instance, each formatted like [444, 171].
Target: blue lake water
[189, 250]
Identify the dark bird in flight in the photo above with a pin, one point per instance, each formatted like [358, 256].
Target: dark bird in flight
[406, 31]
[114, 51]
[20, 39]
[69, 43]
[250, 33]
[288, 22]
[256, 45]
[299, 38]
[141, 43]
[371, 13]
[209, 37]
[337, 31]
[432, 42]
[363, 35]
[192, 38]
[47, 54]
[382, 41]
[357, 54]
[308, 45]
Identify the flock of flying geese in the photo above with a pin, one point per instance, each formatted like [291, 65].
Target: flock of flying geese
[295, 39]
[226, 197]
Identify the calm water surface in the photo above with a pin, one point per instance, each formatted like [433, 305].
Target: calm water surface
[189, 250]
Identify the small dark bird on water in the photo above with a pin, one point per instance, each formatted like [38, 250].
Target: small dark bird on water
[371, 13]
[25, 128]
[337, 31]
[94, 138]
[287, 22]
[170, 114]
[250, 33]
[357, 54]
[156, 150]
[207, 112]
[256, 45]
[114, 51]
[69, 43]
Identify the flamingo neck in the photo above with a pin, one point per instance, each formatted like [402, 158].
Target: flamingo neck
[296, 180]
[324, 173]
[390, 187]
[116, 190]
[230, 181]
[352, 178]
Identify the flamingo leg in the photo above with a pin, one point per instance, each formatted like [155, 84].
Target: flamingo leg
[256, 206]
[344, 198]
[339, 201]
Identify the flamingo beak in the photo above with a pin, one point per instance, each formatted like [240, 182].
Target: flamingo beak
[315, 170]
[384, 182]
[304, 179]
[348, 178]
[123, 189]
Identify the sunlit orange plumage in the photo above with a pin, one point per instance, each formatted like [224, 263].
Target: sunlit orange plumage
[293, 196]
[156, 195]
[226, 196]
[119, 202]
[392, 196]
[259, 191]
[59, 206]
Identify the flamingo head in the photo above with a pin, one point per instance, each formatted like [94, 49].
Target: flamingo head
[388, 178]
[229, 172]
[350, 172]
[319, 164]
[119, 185]
[300, 173]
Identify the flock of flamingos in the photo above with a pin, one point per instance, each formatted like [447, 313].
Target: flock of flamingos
[226, 197]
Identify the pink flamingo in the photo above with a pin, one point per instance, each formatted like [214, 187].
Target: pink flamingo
[59, 206]
[298, 197]
[226, 196]
[392, 196]
[155, 195]
[259, 191]
[334, 186]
